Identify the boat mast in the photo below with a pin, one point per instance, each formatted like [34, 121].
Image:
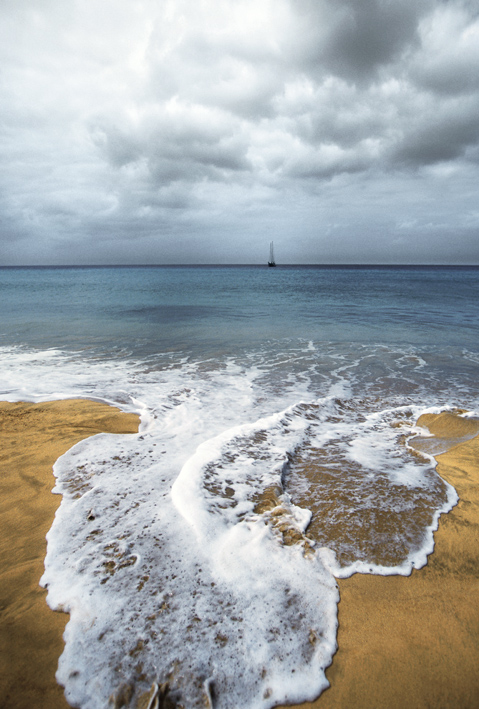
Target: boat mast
[271, 261]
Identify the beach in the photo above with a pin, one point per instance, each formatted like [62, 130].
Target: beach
[33, 437]
[403, 641]
[414, 641]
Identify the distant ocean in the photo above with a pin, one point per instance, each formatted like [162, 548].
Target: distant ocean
[276, 406]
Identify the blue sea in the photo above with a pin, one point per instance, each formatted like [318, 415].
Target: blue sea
[273, 457]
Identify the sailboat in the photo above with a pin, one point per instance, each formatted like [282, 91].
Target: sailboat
[271, 261]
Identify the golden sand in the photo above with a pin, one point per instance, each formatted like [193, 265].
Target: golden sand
[413, 642]
[403, 642]
[33, 436]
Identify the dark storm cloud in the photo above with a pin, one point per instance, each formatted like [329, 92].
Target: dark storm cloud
[177, 143]
[444, 136]
[162, 124]
[354, 39]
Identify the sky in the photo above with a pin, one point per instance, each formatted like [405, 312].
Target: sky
[197, 131]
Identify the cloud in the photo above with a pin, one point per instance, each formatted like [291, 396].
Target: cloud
[449, 54]
[355, 40]
[149, 121]
[442, 133]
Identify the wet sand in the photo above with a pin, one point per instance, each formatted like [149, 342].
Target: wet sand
[33, 436]
[410, 641]
[414, 641]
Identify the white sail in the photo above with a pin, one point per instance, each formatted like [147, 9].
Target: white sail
[271, 261]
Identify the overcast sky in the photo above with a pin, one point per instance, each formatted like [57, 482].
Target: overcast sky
[196, 131]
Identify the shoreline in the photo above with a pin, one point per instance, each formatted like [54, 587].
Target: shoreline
[413, 641]
[402, 640]
[34, 436]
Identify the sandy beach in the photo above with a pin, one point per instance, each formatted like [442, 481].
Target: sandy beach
[33, 436]
[414, 641]
[403, 641]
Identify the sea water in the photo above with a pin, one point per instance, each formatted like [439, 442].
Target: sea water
[272, 458]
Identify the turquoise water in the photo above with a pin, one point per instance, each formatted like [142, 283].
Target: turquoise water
[200, 309]
[306, 381]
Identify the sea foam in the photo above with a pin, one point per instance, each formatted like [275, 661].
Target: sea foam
[203, 551]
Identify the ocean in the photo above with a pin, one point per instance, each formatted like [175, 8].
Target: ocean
[273, 458]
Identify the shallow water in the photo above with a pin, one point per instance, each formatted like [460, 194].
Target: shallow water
[276, 409]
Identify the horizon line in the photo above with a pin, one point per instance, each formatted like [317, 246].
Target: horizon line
[244, 265]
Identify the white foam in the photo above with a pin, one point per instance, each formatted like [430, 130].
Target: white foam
[158, 549]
